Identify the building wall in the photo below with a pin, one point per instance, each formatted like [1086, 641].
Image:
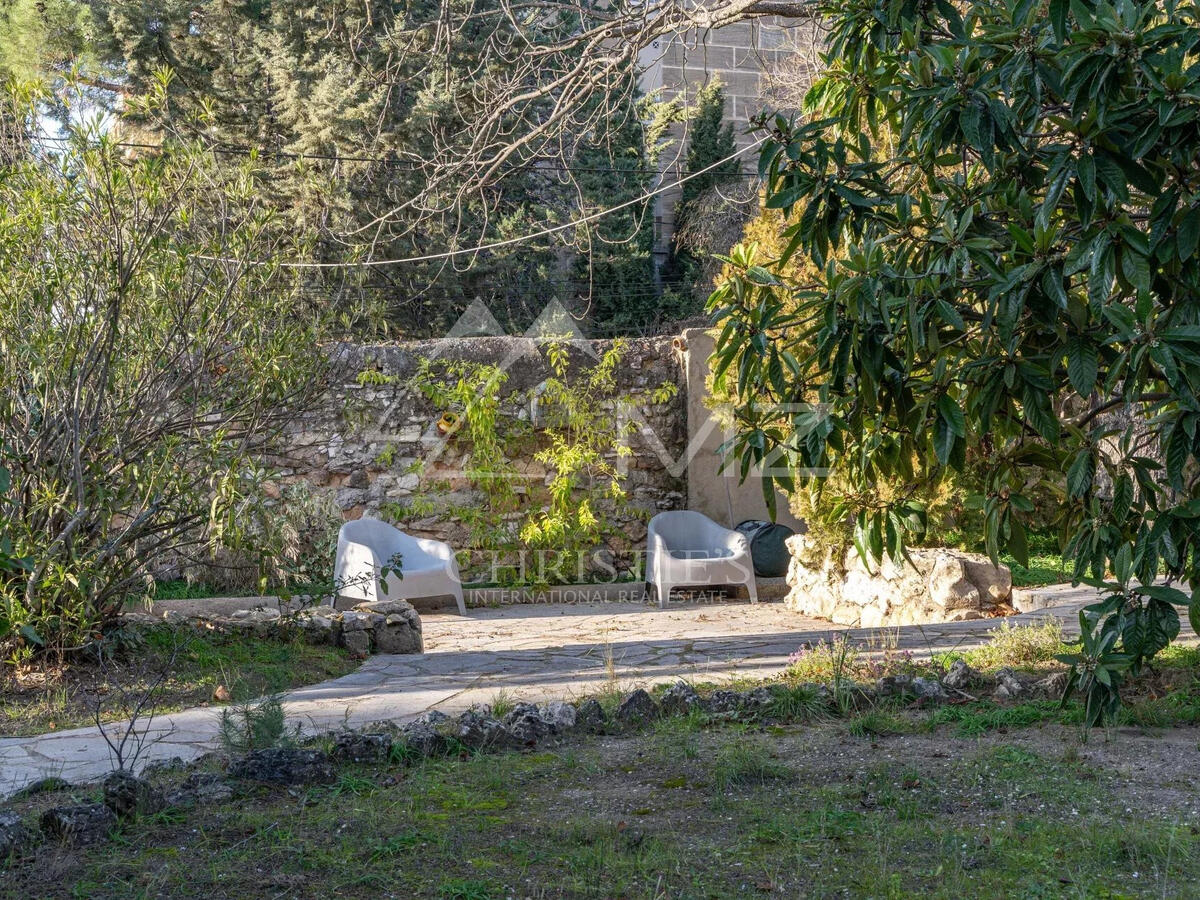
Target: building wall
[739, 55]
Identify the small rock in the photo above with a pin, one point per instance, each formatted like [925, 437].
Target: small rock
[83, 824]
[757, 700]
[355, 621]
[723, 701]
[127, 795]
[558, 715]
[590, 717]
[199, 789]
[14, 836]
[679, 699]
[637, 709]
[929, 690]
[284, 765]
[958, 676]
[1008, 687]
[894, 685]
[422, 736]
[1053, 685]
[357, 642]
[398, 628]
[362, 747]
[526, 725]
[481, 732]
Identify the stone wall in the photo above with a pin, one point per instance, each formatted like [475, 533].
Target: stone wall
[942, 585]
[374, 446]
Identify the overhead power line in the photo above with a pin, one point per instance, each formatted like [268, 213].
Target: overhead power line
[495, 245]
[409, 165]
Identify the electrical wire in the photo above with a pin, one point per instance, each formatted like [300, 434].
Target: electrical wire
[494, 245]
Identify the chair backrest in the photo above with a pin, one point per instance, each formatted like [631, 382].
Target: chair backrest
[386, 540]
[687, 529]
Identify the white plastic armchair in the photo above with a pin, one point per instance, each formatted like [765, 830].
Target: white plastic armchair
[688, 549]
[367, 546]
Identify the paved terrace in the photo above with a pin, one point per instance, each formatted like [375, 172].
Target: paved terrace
[531, 652]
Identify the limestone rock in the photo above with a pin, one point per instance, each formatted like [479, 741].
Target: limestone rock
[526, 725]
[1008, 686]
[680, 699]
[757, 701]
[722, 701]
[1053, 685]
[83, 824]
[637, 709]
[958, 676]
[928, 690]
[127, 795]
[422, 736]
[560, 716]
[894, 685]
[357, 642]
[942, 585]
[201, 789]
[481, 732]
[590, 717]
[284, 766]
[399, 629]
[362, 747]
[14, 836]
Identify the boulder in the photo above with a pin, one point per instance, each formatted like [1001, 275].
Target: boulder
[201, 789]
[757, 701]
[1008, 686]
[560, 716]
[479, 731]
[958, 676]
[357, 642]
[526, 725]
[129, 796]
[14, 836]
[722, 701]
[928, 690]
[679, 700]
[397, 628]
[1053, 685]
[894, 686]
[941, 585]
[86, 823]
[423, 736]
[637, 709]
[590, 717]
[284, 765]
[362, 747]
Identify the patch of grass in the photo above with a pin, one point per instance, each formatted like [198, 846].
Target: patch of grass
[1043, 569]
[1010, 817]
[248, 667]
[799, 703]
[1017, 646]
[976, 718]
[879, 721]
[747, 763]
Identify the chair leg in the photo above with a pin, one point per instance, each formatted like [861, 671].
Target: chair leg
[458, 596]
[664, 594]
[752, 590]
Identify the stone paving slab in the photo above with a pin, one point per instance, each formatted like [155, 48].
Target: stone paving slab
[532, 652]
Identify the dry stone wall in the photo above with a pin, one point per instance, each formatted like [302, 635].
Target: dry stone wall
[374, 447]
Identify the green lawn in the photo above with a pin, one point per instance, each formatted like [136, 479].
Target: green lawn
[49, 700]
[686, 811]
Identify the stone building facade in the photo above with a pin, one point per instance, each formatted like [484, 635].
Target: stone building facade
[374, 446]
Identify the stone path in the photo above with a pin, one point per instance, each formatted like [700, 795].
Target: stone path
[528, 652]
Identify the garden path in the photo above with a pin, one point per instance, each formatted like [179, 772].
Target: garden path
[530, 652]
